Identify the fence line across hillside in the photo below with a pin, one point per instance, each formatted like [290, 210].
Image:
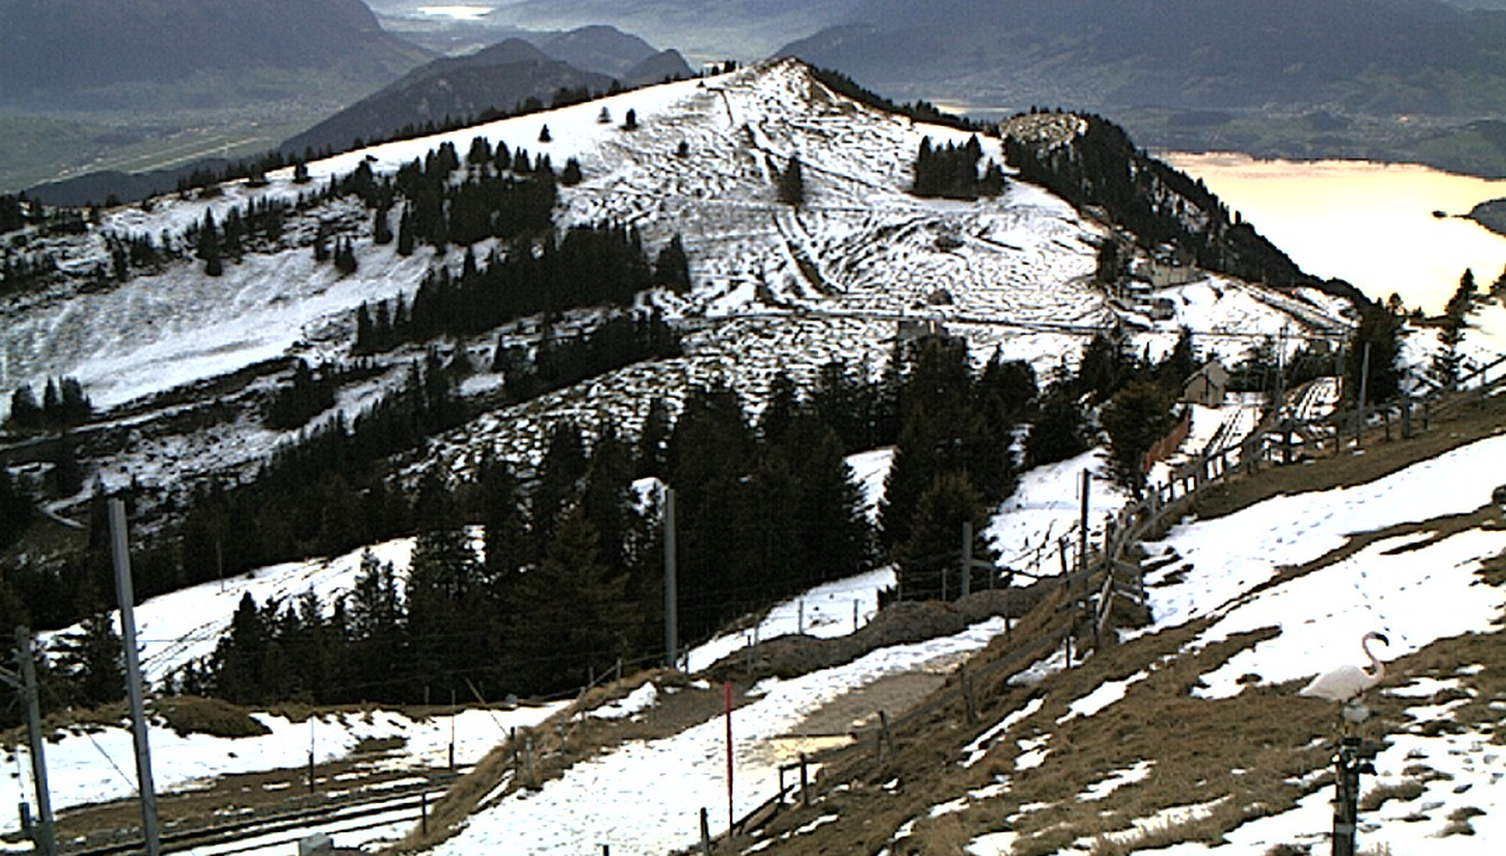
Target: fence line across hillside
[1086, 609]
[1096, 575]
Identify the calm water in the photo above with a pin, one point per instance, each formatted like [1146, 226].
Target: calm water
[1369, 223]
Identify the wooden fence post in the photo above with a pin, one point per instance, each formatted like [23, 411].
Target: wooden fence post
[528, 780]
[969, 704]
[884, 736]
[805, 786]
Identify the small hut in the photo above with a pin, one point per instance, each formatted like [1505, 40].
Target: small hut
[1207, 385]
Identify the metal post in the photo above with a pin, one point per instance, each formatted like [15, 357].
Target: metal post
[122, 556]
[311, 752]
[1359, 426]
[1345, 809]
[45, 830]
[1082, 524]
[727, 691]
[671, 597]
[967, 558]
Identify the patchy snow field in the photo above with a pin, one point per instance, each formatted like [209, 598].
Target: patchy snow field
[776, 288]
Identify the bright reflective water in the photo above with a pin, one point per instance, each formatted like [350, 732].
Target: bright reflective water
[1369, 223]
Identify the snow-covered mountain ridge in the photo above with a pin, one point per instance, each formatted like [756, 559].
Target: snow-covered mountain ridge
[775, 286]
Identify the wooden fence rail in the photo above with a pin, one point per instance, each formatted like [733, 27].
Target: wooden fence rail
[1271, 443]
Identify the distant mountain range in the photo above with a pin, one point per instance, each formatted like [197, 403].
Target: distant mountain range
[498, 78]
[1376, 56]
[78, 53]
[452, 89]
[1371, 56]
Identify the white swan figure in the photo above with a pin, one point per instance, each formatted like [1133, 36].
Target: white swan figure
[1347, 683]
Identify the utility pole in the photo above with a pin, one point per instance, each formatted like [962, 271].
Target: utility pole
[671, 597]
[24, 680]
[122, 556]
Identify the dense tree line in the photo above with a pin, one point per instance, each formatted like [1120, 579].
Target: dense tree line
[505, 194]
[619, 341]
[1102, 167]
[951, 171]
[321, 494]
[588, 266]
[309, 392]
[63, 404]
[920, 111]
[16, 509]
[570, 577]
[19, 271]
[17, 210]
[22, 270]
[953, 459]
[763, 509]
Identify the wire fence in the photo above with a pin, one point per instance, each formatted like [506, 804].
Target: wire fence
[1094, 585]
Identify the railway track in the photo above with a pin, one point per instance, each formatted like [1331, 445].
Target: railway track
[405, 803]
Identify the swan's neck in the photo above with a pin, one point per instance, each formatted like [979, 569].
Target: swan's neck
[1377, 668]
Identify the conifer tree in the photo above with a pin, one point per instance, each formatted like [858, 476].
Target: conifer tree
[1461, 304]
[321, 243]
[238, 657]
[932, 548]
[450, 624]
[649, 459]
[1136, 418]
[561, 471]
[208, 249]
[376, 624]
[381, 227]
[405, 239]
[15, 513]
[91, 658]
[792, 183]
[1379, 333]
[66, 478]
[24, 410]
[568, 616]
[836, 537]
[345, 257]
[672, 268]
[1058, 432]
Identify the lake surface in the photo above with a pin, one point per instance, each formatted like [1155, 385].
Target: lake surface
[1369, 223]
